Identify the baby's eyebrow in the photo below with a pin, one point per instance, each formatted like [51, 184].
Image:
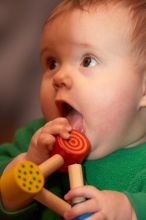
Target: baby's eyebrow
[87, 46]
[83, 45]
[45, 50]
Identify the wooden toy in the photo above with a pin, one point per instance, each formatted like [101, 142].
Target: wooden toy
[73, 150]
[76, 180]
[25, 181]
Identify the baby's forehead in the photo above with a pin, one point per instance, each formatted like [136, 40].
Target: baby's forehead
[95, 6]
[101, 29]
[111, 12]
[106, 18]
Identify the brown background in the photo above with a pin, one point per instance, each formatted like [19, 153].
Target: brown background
[20, 72]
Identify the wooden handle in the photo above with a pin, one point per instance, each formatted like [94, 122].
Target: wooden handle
[52, 201]
[76, 180]
[51, 165]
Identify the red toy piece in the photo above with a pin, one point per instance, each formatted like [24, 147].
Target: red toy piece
[73, 150]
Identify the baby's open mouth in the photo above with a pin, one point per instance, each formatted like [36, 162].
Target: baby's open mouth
[74, 117]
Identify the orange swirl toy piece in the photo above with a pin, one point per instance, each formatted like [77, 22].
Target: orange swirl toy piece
[73, 150]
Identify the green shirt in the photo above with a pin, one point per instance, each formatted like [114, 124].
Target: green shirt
[123, 170]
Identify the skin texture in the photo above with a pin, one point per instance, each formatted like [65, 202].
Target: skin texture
[87, 63]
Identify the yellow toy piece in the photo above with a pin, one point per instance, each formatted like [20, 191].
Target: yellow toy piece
[23, 182]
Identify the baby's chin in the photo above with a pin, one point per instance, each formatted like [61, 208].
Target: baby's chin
[98, 150]
[95, 155]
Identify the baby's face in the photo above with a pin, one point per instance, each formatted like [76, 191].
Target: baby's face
[89, 77]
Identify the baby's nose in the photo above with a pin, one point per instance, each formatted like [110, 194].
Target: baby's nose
[62, 80]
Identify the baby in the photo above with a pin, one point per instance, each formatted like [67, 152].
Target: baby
[93, 54]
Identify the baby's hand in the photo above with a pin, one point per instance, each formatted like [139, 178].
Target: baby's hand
[43, 140]
[105, 205]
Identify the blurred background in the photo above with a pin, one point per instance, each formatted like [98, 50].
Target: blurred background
[21, 23]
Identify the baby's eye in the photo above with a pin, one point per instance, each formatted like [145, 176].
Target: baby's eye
[89, 61]
[52, 63]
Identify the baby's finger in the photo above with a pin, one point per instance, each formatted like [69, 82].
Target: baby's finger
[89, 206]
[46, 140]
[84, 191]
[58, 127]
[35, 136]
[61, 121]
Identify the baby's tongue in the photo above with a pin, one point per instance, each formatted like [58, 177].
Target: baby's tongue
[76, 120]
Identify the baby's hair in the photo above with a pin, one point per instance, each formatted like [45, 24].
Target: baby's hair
[137, 11]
